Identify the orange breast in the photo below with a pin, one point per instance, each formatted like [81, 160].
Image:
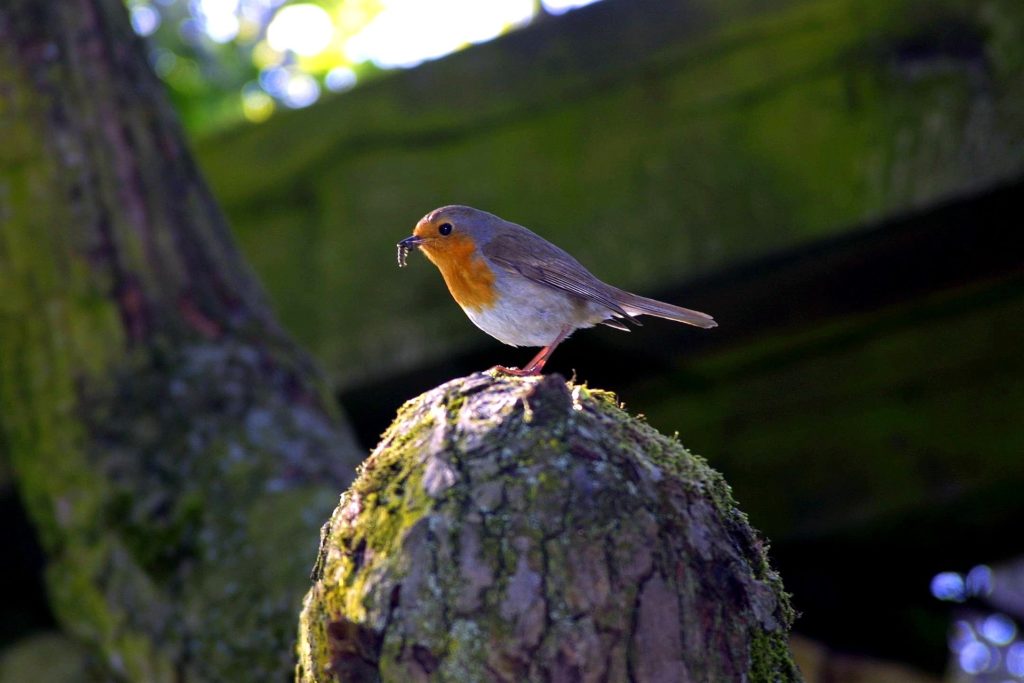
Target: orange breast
[469, 278]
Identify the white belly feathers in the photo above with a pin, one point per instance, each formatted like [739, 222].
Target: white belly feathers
[530, 314]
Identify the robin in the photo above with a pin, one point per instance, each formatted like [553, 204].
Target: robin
[521, 289]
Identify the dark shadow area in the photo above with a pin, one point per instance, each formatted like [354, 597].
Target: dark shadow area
[865, 589]
[25, 606]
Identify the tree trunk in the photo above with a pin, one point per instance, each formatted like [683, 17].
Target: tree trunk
[172, 446]
[530, 530]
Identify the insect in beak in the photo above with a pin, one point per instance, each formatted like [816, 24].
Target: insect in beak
[405, 246]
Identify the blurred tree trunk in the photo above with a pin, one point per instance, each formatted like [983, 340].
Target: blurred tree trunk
[175, 450]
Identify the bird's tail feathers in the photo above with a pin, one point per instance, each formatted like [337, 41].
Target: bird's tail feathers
[640, 305]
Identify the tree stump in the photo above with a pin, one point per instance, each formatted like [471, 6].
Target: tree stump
[526, 529]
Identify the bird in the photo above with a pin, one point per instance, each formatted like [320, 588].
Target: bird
[521, 289]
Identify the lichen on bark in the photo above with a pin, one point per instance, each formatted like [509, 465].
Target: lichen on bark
[173, 447]
[512, 529]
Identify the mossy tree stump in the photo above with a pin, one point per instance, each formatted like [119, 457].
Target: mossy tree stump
[513, 529]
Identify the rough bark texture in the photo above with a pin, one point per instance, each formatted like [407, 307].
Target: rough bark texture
[172, 446]
[530, 530]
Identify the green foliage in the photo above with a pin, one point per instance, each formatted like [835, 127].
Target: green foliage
[211, 55]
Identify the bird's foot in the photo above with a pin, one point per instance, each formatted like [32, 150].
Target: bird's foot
[525, 372]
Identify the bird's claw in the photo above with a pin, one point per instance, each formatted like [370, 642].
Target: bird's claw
[516, 372]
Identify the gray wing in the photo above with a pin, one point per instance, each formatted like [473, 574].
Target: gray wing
[542, 262]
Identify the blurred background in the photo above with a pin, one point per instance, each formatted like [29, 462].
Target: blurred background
[839, 182]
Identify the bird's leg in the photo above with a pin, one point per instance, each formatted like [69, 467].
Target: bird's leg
[535, 366]
[532, 368]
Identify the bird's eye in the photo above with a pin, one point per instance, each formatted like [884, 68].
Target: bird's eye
[445, 228]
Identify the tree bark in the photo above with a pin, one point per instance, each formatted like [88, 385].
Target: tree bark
[172, 445]
[529, 530]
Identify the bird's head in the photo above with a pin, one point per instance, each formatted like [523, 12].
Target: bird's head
[451, 234]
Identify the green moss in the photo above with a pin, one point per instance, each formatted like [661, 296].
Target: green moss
[486, 460]
[156, 510]
[466, 657]
[160, 457]
[770, 659]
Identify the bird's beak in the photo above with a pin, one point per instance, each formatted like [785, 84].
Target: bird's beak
[410, 242]
[405, 245]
